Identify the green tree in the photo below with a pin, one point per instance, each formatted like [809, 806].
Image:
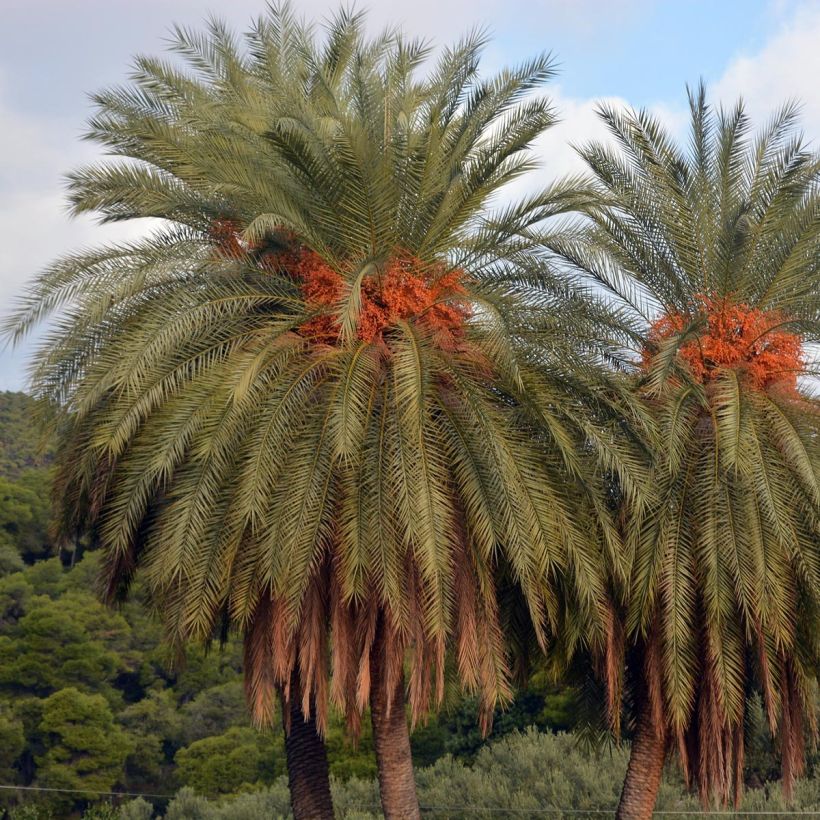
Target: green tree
[213, 711]
[222, 764]
[24, 486]
[62, 642]
[15, 593]
[84, 748]
[710, 256]
[10, 559]
[154, 725]
[24, 518]
[339, 398]
[204, 669]
[138, 809]
[12, 744]
[21, 448]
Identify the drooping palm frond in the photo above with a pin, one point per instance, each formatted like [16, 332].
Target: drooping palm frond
[710, 256]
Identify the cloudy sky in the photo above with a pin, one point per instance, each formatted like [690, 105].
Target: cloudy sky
[53, 53]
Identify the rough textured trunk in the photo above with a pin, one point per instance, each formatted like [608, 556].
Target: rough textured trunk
[391, 737]
[308, 774]
[643, 775]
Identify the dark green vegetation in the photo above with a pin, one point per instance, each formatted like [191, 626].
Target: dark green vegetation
[89, 700]
[24, 481]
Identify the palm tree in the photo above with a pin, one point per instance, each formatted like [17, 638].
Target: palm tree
[710, 259]
[335, 398]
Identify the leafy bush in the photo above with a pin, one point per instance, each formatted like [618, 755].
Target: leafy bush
[224, 763]
[102, 811]
[523, 772]
[31, 811]
[138, 809]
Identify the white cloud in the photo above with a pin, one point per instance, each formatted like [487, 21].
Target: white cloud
[33, 206]
[787, 67]
[441, 20]
[578, 124]
[36, 228]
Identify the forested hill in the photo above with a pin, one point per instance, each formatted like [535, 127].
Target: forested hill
[24, 486]
[19, 439]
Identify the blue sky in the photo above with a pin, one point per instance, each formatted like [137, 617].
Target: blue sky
[53, 53]
[646, 51]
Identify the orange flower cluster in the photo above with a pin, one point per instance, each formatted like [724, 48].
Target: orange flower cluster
[404, 289]
[322, 288]
[738, 337]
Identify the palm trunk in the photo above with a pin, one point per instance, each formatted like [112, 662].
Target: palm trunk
[643, 775]
[397, 785]
[308, 774]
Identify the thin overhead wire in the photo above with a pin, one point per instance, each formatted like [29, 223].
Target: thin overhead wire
[492, 809]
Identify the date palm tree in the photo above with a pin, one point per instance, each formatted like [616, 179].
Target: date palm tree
[335, 397]
[709, 256]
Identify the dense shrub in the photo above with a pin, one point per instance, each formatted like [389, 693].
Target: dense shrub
[223, 764]
[523, 772]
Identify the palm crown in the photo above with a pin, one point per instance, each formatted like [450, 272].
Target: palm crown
[335, 390]
[708, 257]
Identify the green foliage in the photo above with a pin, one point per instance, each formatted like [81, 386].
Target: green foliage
[30, 811]
[65, 642]
[12, 743]
[188, 805]
[271, 803]
[214, 710]
[138, 809]
[24, 515]
[351, 758]
[522, 774]
[203, 669]
[157, 714]
[154, 725]
[20, 439]
[25, 485]
[223, 764]
[10, 559]
[15, 592]
[84, 748]
[60, 646]
[540, 704]
[102, 811]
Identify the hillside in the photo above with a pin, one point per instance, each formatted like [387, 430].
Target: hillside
[20, 441]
